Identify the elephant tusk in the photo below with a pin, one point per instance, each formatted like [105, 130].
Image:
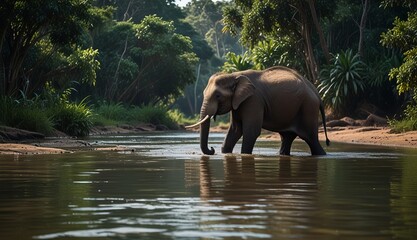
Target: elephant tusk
[199, 122]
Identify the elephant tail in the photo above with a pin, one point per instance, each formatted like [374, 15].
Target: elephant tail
[323, 116]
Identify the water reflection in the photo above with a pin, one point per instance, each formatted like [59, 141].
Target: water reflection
[309, 197]
[278, 196]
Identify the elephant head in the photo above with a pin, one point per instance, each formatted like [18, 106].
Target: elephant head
[223, 93]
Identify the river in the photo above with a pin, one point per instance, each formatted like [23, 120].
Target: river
[166, 189]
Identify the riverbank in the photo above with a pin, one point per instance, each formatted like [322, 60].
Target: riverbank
[381, 136]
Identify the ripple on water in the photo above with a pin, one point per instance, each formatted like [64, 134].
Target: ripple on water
[105, 232]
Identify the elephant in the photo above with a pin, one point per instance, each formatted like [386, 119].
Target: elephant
[277, 99]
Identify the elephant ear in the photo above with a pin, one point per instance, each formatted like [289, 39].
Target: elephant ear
[243, 89]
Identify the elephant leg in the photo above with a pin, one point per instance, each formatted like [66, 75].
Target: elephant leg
[251, 115]
[312, 140]
[308, 128]
[286, 141]
[316, 148]
[233, 135]
[251, 132]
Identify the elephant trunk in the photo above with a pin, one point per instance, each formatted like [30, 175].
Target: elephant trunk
[204, 133]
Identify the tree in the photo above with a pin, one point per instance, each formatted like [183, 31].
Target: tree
[144, 63]
[137, 10]
[403, 36]
[294, 19]
[26, 25]
[206, 17]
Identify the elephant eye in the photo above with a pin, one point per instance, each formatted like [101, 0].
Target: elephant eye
[217, 95]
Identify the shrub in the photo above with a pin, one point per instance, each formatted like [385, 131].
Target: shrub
[19, 114]
[237, 62]
[111, 111]
[152, 114]
[408, 122]
[72, 119]
[180, 118]
[342, 81]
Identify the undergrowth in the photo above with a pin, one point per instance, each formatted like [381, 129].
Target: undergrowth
[407, 123]
[43, 114]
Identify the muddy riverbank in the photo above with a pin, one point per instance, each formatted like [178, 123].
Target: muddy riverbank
[382, 136]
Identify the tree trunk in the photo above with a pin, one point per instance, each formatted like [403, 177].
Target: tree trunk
[316, 22]
[362, 25]
[114, 86]
[308, 47]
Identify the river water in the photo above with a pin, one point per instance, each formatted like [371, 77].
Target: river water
[166, 189]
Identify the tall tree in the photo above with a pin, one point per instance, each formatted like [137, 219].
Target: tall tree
[27, 23]
[206, 17]
[294, 19]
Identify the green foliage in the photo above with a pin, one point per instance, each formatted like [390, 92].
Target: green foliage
[258, 20]
[403, 36]
[84, 60]
[407, 3]
[342, 81]
[116, 113]
[206, 17]
[275, 52]
[265, 54]
[24, 115]
[152, 114]
[72, 118]
[237, 62]
[179, 117]
[46, 112]
[379, 69]
[408, 122]
[233, 17]
[151, 62]
[113, 111]
[61, 24]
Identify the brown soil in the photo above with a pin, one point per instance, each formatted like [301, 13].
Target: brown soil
[372, 135]
[17, 148]
[17, 141]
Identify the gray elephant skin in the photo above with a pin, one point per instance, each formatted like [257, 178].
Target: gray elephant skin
[277, 99]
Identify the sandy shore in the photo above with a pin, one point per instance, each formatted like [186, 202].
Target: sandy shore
[371, 135]
[17, 148]
[358, 135]
[381, 136]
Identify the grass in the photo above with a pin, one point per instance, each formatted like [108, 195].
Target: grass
[73, 119]
[20, 115]
[407, 123]
[111, 111]
[77, 119]
[115, 113]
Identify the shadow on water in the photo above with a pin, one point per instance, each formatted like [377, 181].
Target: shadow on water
[167, 190]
